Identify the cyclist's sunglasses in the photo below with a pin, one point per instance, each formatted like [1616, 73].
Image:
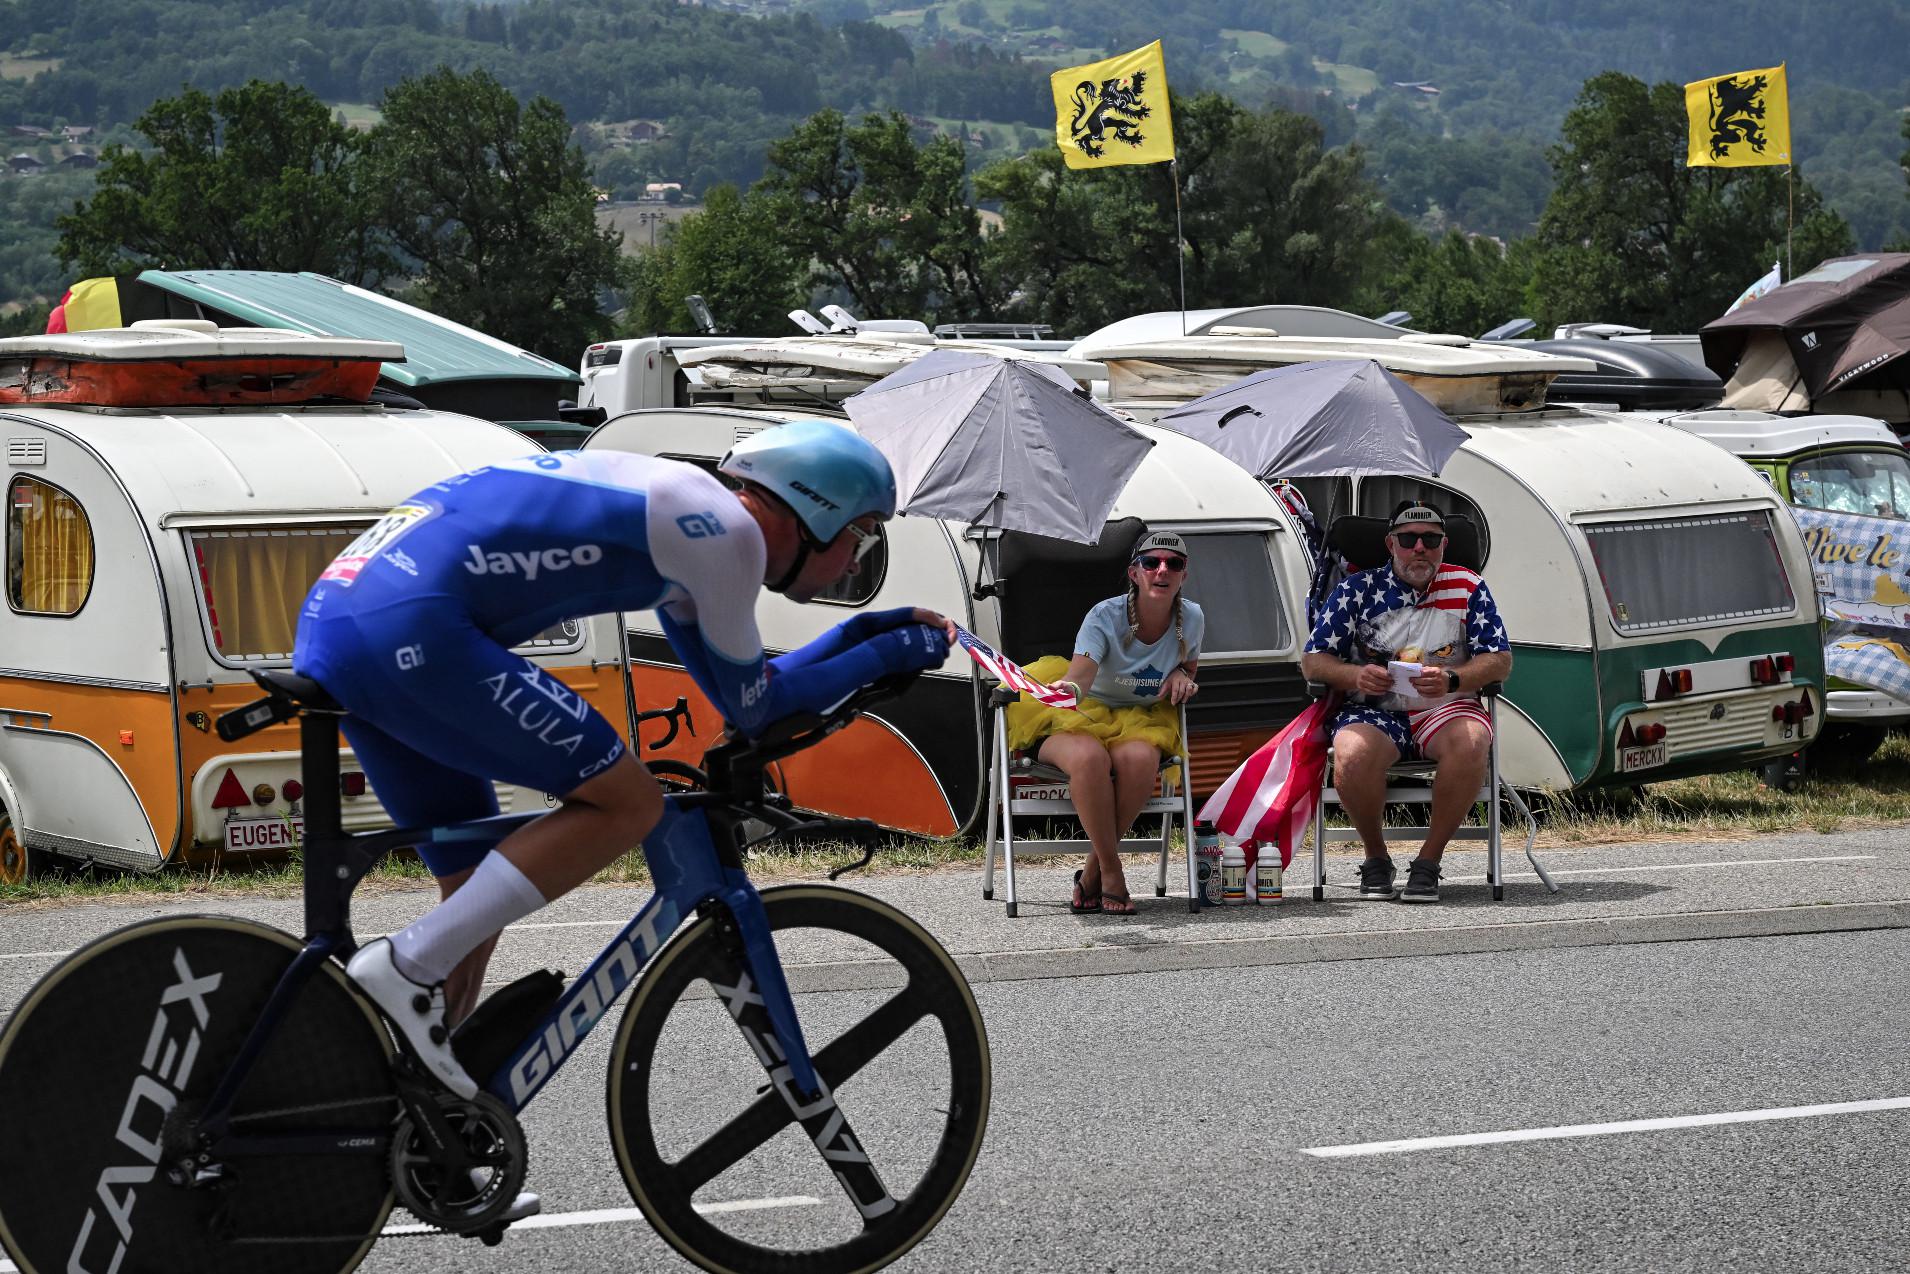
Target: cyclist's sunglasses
[865, 539]
[1153, 563]
[1413, 539]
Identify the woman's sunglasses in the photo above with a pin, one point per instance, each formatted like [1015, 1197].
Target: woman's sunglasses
[1153, 563]
[1413, 539]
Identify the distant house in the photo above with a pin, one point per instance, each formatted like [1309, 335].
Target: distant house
[24, 163]
[76, 132]
[1424, 87]
[27, 130]
[1048, 43]
[647, 130]
[80, 159]
[656, 191]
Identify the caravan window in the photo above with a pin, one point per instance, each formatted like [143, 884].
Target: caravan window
[1231, 577]
[1676, 571]
[253, 579]
[49, 549]
[1873, 483]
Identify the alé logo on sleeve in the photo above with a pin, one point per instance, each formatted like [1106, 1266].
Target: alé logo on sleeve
[532, 563]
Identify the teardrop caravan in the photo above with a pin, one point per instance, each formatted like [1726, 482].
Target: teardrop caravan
[1660, 601]
[157, 552]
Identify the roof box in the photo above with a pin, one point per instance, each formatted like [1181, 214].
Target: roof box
[189, 363]
[1632, 376]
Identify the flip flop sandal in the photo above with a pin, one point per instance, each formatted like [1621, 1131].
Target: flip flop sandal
[1087, 905]
[1123, 904]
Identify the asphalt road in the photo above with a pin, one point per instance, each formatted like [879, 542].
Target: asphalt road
[1158, 1121]
[1162, 1119]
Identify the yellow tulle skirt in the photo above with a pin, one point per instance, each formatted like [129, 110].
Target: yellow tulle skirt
[1029, 722]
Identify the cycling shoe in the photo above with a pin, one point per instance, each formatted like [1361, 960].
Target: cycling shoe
[416, 1010]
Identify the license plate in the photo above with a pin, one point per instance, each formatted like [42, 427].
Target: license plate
[258, 835]
[1630, 759]
[1041, 792]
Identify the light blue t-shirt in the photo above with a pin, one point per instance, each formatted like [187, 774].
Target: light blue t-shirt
[1130, 672]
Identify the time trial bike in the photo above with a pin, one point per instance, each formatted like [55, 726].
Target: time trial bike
[209, 1094]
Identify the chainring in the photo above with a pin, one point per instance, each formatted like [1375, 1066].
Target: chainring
[442, 1196]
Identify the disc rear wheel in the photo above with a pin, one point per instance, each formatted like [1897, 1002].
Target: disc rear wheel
[712, 1153]
[105, 1067]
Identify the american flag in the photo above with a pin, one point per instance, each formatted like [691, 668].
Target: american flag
[1010, 675]
[1271, 797]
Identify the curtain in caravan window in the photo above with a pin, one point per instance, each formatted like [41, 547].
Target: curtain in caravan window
[49, 549]
[1672, 571]
[253, 581]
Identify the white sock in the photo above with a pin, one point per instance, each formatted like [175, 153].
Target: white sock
[496, 894]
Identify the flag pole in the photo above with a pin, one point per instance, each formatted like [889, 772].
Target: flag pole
[1180, 242]
[1790, 218]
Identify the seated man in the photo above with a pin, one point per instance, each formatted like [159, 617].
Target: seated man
[1414, 609]
[411, 629]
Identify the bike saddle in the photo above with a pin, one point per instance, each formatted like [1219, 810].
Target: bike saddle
[303, 691]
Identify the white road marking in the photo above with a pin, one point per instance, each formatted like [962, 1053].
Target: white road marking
[1565, 1131]
[602, 1216]
[1741, 862]
[609, 1216]
[35, 955]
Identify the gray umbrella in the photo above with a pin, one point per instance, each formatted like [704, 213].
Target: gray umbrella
[999, 442]
[1321, 420]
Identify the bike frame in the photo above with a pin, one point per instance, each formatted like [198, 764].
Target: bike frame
[692, 869]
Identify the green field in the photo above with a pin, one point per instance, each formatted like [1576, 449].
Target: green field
[1255, 43]
[1351, 81]
[13, 67]
[358, 114]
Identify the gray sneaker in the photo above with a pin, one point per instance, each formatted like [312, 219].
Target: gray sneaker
[1422, 882]
[1376, 879]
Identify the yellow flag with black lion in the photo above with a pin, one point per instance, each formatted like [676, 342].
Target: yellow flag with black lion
[1114, 111]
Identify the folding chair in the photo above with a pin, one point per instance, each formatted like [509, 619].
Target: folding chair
[1361, 541]
[1044, 587]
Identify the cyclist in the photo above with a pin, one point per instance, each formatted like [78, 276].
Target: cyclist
[410, 630]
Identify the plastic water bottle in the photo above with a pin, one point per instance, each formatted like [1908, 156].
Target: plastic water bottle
[1206, 865]
[1267, 887]
[1233, 876]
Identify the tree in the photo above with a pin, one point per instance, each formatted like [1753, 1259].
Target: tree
[260, 178]
[733, 254]
[1457, 283]
[494, 204]
[1631, 235]
[882, 217]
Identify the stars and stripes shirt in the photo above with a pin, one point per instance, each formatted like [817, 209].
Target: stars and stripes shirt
[1376, 617]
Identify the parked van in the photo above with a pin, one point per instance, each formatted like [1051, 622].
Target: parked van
[799, 372]
[1840, 464]
[1658, 594]
[920, 763]
[158, 550]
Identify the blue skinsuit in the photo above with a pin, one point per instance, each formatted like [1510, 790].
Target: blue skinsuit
[410, 627]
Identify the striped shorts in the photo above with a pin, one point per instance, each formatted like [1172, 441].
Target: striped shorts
[1411, 731]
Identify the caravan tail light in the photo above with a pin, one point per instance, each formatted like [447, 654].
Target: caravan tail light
[1793, 713]
[1653, 733]
[1673, 682]
[1786, 665]
[352, 783]
[1764, 671]
[293, 789]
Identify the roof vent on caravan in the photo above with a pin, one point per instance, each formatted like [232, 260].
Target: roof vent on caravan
[167, 365]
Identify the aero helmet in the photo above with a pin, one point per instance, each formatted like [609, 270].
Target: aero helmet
[828, 474]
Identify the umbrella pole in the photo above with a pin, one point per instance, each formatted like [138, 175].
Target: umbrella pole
[1180, 242]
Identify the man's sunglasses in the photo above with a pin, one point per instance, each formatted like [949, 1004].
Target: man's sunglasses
[1153, 563]
[1413, 539]
[865, 539]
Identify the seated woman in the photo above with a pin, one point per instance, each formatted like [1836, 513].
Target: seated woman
[1133, 666]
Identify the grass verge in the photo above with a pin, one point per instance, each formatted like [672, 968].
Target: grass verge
[1838, 794]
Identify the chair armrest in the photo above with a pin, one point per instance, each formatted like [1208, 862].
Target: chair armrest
[1001, 696]
[1492, 690]
[1318, 690]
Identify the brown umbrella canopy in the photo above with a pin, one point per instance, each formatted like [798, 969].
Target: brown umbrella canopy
[1847, 324]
